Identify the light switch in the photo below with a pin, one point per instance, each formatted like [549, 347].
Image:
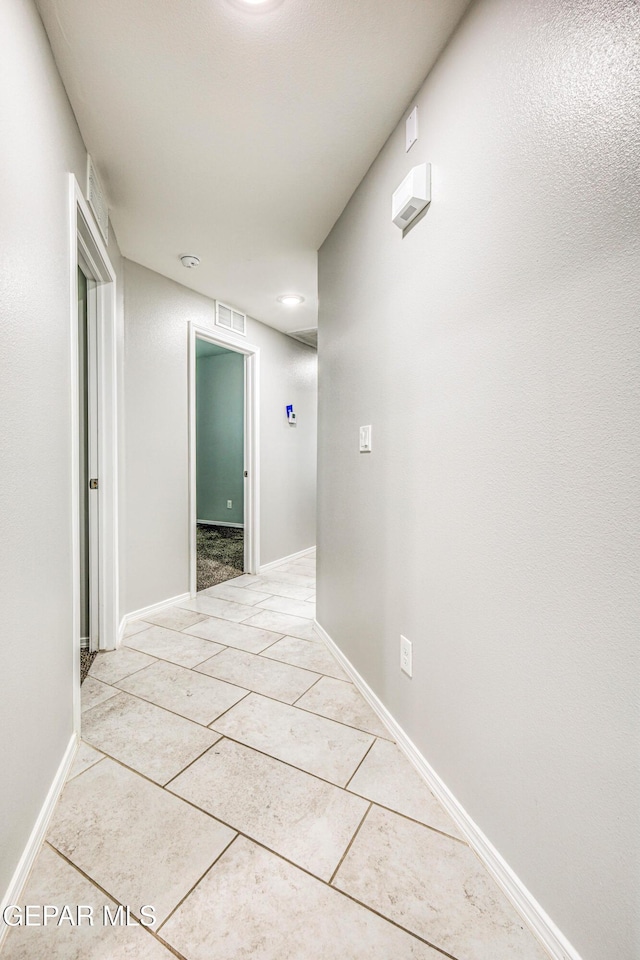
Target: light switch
[365, 439]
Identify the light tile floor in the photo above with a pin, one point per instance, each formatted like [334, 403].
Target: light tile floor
[231, 777]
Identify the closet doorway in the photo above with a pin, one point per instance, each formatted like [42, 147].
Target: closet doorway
[223, 458]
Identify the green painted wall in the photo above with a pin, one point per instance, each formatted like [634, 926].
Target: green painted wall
[219, 434]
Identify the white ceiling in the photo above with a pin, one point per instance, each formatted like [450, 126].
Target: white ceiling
[239, 135]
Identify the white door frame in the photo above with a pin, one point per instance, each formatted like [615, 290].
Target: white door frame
[92, 452]
[251, 446]
[87, 245]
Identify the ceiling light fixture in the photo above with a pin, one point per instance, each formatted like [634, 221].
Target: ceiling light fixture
[258, 6]
[189, 261]
[291, 299]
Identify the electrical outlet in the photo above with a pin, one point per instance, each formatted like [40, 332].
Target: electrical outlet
[406, 656]
[229, 504]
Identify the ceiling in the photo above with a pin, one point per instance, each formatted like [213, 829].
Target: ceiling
[239, 135]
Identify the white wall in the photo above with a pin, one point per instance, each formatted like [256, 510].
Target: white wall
[41, 145]
[157, 312]
[494, 350]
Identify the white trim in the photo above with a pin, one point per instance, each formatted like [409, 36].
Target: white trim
[38, 833]
[251, 445]
[145, 611]
[220, 523]
[536, 918]
[292, 556]
[86, 242]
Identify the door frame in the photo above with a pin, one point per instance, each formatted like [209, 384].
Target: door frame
[88, 248]
[91, 453]
[251, 445]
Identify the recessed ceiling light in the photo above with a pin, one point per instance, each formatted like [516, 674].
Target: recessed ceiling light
[291, 299]
[257, 5]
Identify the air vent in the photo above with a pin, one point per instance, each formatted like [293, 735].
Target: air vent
[231, 319]
[308, 336]
[97, 199]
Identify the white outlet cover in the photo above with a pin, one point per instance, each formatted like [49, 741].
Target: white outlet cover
[365, 439]
[406, 656]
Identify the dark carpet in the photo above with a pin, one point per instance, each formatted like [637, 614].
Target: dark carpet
[86, 659]
[220, 553]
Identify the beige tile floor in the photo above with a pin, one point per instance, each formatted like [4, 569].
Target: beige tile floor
[232, 777]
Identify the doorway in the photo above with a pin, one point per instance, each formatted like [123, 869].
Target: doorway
[94, 459]
[223, 420]
[89, 586]
[219, 464]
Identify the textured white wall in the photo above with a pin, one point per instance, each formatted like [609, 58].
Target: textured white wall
[494, 350]
[41, 145]
[157, 312]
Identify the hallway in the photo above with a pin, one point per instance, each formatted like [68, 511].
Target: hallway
[261, 808]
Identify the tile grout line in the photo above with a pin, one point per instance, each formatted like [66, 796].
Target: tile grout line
[325, 883]
[240, 833]
[110, 896]
[350, 844]
[269, 645]
[199, 723]
[180, 716]
[194, 669]
[94, 764]
[371, 804]
[250, 653]
[323, 716]
[199, 880]
[418, 823]
[164, 659]
[264, 753]
[315, 776]
[309, 713]
[315, 682]
[173, 793]
[368, 751]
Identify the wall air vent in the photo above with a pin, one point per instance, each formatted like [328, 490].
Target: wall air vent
[97, 199]
[308, 336]
[231, 319]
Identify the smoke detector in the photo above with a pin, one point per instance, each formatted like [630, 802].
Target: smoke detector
[190, 261]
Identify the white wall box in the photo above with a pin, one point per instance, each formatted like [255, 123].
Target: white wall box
[412, 196]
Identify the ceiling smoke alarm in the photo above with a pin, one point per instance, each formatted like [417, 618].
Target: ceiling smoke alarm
[189, 261]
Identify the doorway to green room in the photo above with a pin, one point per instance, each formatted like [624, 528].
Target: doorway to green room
[220, 442]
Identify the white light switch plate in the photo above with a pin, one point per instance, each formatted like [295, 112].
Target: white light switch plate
[365, 439]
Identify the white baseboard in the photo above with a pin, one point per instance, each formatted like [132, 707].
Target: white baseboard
[145, 611]
[535, 917]
[220, 523]
[38, 833]
[278, 563]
